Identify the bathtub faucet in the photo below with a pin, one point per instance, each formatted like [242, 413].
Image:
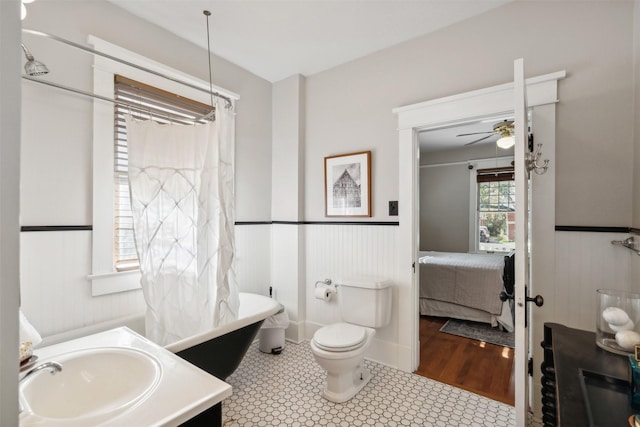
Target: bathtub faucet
[55, 367]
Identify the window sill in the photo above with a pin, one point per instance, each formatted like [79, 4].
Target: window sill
[111, 283]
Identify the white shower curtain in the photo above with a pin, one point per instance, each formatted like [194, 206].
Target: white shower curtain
[182, 199]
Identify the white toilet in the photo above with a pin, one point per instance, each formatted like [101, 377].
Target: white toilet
[339, 348]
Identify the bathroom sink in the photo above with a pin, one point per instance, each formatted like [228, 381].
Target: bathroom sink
[94, 385]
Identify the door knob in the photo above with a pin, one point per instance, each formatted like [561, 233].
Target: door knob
[505, 296]
[537, 300]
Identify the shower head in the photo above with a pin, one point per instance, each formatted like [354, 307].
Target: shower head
[32, 67]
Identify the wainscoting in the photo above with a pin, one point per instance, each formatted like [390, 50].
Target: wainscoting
[253, 257]
[55, 290]
[585, 262]
[342, 251]
[56, 294]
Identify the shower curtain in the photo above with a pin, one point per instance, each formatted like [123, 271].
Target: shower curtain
[182, 200]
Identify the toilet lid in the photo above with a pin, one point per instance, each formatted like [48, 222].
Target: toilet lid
[340, 337]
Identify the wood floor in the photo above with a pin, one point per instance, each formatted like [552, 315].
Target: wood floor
[482, 368]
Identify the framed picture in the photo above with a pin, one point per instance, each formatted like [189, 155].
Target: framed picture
[347, 184]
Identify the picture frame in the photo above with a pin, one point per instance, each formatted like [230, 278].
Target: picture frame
[347, 185]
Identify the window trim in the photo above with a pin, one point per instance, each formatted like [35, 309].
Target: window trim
[474, 232]
[104, 278]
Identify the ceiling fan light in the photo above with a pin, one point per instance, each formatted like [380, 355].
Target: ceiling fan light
[506, 142]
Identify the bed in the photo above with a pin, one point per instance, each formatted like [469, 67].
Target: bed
[467, 286]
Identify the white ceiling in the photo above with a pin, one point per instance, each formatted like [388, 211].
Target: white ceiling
[447, 138]
[275, 39]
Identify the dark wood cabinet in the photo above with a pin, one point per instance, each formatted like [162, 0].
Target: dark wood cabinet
[568, 353]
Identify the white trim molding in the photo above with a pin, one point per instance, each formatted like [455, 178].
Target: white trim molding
[477, 104]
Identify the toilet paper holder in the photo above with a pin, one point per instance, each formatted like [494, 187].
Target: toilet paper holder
[325, 282]
[325, 290]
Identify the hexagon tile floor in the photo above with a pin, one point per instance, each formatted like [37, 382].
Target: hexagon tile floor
[285, 390]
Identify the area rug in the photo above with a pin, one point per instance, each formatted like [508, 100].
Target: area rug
[479, 331]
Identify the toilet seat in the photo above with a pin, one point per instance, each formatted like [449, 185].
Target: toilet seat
[340, 337]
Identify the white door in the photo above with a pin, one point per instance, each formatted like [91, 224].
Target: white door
[522, 243]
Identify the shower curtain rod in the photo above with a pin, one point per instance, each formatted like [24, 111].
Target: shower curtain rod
[228, 101]
[114, 101]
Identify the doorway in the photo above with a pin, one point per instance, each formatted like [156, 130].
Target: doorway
[542, 95]
[466, 226]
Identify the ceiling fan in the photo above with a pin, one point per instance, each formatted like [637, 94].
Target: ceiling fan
[503, 128]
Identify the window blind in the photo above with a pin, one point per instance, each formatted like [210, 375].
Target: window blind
[495, 174]
[146, 103]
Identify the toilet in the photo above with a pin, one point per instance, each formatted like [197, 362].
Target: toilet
[339, 348]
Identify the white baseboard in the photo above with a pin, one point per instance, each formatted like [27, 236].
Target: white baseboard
[294, 333]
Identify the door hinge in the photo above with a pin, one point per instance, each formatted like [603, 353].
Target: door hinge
[530, 367]
[414, 267]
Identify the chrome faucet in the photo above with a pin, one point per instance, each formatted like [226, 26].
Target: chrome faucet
[54, 366]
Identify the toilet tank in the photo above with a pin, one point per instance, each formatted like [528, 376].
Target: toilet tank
[365, 301]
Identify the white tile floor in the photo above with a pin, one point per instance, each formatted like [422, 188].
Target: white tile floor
[285, 390]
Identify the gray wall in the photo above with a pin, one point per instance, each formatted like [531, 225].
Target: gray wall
[9, 212]
[444, 208]
[348, 107]
[45, 120]
[444, 195]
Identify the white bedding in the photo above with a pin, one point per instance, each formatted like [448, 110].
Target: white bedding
[470, 280]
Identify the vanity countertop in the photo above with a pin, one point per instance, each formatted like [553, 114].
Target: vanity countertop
[182, 392]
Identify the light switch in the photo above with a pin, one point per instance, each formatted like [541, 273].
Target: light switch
[393, 208]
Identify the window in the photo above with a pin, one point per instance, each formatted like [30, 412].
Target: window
[105, 277]
[496, 209]
[145, 102]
